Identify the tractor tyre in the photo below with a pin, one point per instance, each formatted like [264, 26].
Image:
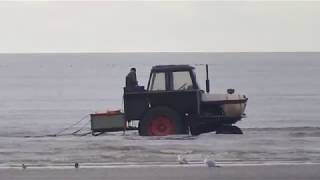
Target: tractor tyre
[161, 121]
[229, 130]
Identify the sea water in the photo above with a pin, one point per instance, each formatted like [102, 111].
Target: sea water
[41, 94]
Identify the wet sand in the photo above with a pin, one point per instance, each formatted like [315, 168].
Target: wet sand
[279, 144]
[261, 172]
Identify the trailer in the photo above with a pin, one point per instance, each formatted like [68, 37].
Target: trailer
[110, 121]
[173, 103]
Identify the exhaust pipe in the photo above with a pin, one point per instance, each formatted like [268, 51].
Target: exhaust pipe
[207, 80]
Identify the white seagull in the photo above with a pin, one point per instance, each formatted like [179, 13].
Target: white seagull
[182, 160]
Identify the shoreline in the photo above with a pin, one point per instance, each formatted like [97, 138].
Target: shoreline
[283, 172]
[157, 164]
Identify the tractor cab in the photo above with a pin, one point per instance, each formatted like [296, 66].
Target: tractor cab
[172, 78]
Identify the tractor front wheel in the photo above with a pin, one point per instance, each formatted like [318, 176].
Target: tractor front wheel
[228, 129]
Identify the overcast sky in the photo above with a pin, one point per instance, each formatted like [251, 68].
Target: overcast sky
[158, 26]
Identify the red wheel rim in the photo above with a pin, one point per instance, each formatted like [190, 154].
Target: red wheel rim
[161, 126]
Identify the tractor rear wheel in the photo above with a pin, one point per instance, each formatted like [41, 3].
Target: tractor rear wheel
[161, 121]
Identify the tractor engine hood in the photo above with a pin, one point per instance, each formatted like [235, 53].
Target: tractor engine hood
[233, 105]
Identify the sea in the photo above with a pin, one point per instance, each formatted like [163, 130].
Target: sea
[47, 94]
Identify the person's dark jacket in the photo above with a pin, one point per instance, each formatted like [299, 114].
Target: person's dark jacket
[131, 80]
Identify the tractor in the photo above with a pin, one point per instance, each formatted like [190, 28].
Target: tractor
[173, 103]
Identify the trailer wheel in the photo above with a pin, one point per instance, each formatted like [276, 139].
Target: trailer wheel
[161, 121]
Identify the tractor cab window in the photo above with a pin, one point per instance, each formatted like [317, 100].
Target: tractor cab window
[182, 80]
[158, 82]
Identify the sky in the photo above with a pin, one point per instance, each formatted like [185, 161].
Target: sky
[38, 27]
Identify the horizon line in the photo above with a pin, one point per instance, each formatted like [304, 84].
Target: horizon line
[159, 52]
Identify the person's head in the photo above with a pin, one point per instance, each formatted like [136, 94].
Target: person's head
[133, 69]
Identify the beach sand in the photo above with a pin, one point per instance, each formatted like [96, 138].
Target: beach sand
[261, 172]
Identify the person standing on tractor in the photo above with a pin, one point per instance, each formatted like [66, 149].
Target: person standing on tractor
[131, 80]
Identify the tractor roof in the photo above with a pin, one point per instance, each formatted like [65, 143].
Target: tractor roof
[160, 68]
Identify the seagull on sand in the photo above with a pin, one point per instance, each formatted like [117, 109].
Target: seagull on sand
[182, 160]
[24, 166]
